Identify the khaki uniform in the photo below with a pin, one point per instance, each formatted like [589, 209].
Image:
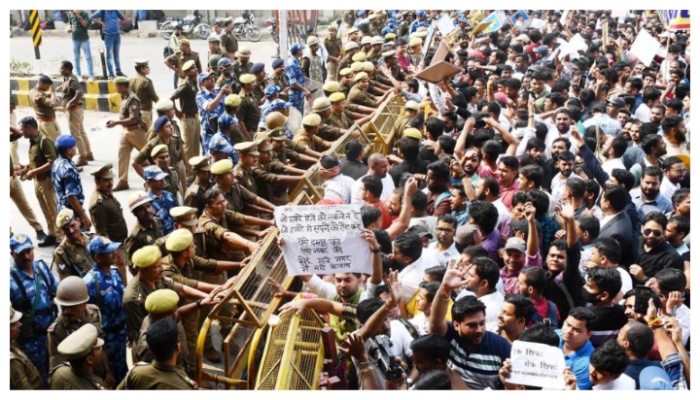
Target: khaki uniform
[328, 131]
[313, 142]
[142, 86]
[334, 48]
[401, 124]
[140, 236]
[339, 120]
[175, 150]
[62, 328]
[237, 198]
[245, 178]
[23, 374]
[134, 301]
[75, 116]
[229, 42]
[219, 53]
[133, 137]
[344, 63]
[14, 145]
[374, 55]
[282, 82]
[107, 216]
[65, 377]
[191, 129]
[249, 112]
[239, 68]
[265, 181]
[20, 200]
[397, 73]
[312, 67]
[194, 196]
[215, 230]
[360, 97]
[157, 376]
[259, 90]
[178, 59]
[45, 113]
[140, 353]
[41, 151]
[71, 259]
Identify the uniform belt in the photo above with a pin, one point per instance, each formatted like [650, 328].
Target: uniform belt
[193, 115]
[132, 127]
[75, 107]
[46, 119]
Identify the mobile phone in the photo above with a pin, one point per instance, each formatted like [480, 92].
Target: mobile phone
[642, 294]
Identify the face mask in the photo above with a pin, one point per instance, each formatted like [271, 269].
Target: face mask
[588, 297]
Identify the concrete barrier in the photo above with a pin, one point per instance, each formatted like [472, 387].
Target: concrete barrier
[99, 95]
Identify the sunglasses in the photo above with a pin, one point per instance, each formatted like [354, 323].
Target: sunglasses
[656, 232]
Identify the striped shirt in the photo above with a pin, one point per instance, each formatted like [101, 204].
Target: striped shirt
[480, 366]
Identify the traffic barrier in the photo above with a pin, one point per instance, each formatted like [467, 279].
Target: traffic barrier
[98, 95]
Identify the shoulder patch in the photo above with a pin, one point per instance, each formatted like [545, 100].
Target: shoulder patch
[100, 199]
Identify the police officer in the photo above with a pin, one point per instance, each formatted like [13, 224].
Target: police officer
[307, 135]
[163, 372]
[106, 288]
[269, 174]
[133, 129]
[339, 116]
[83, 351]
[163, 201]
[143, 87]
[232, 105]
[161, 157]
[23, 373]
[242, 65]
[194, 196]
[248, 111]
[147, 230]
[327, 130]
[71, 257]
[351, 48]
[226, 128]
[286, 150]
[258, 70]
[66, 179]
[211, 105]
[149, 279]
[228, 39]
[42, 154]
[164, 127]
[188, 113]
[334, 45]
[296, 78]
[214, 43]
[72, 103]
[279, 78]
[178, 61]
[243, 172]
[72, 296]
[226, 76]
[106, 212]
[32, 289]
[237, 196]
[312, 61]
[44, 104]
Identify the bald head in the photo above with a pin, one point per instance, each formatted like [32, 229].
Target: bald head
[378, 165]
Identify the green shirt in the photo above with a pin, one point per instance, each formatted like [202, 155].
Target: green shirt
[80, 32]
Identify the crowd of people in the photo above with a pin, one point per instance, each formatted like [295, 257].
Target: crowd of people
[535, 196]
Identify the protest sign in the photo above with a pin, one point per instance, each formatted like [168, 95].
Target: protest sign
[572, 48]
[645, 47]
[428, 40]
[323, 239]
[445, 25]
[538, 23]
[490, 24]
[675, 20]
[520, 20]
[564, 17]
[535, 364]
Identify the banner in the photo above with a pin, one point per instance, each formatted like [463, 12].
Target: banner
[490, 24]
[535, 364]
[520, 20]
[323, 239]
[645, 47]
[675, 20]
[572, 48]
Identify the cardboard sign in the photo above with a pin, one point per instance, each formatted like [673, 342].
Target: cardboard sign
[645, 47]
[520, 20]
[323, 239]
[445, 25]
[535, 364]
[438, 72]
[490, 24]
[572, 48]
[440, 53]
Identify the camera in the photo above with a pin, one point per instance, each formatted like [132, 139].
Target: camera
[379, 348]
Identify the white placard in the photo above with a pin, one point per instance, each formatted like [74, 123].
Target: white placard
[571, 49]
[445, 25]
[564, 17]
[323, 239]
[535, 364]
[645, 47]
[538, 23]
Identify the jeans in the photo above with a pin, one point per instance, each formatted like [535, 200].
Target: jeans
[85, 46]
[112, 43]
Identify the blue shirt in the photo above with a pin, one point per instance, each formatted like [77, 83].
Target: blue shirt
[417, 24]
[204, 98]
[481, 365]
[264, 111]
[636, 366]
[578, 362]
[66, 182]
[233, 154]
[161, 209]
[660, 203]
[110, 19]
[294, 74]
[462, 217]
[44, 314]
[109, 300]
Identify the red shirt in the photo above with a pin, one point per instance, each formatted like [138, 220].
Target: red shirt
[507, 194]
[386, 215]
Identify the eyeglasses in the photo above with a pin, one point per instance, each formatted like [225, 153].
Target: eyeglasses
[656, 232]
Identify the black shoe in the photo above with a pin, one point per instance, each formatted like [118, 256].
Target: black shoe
[49, 241]
[119, 73]
[40, 236]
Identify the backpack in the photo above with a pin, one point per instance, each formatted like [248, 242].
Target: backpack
[551, 315]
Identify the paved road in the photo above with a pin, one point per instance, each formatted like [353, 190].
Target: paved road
[54, 50]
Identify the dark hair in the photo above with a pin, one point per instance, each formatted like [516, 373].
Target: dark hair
[670, 122]
[373, 185]
[435, 379]
[437, 272]
[475, 252]
[590, 224]
[566, 156]
[524, 308]
[487, 269]
[680, 195]
[162, 338]
[585, 315]
[650, 95]
[520, 198]
[435, 126]
[409, 149]
[592, 187]
[30, 122]
[540, 200]
[433, 346]
[369, 215]
[383, 239]
[619, 144]
[535, 278]
[212, 194]
[610, 248]
[447, 144]
[491, 149]
[607, 280]
[467, 305]
[617, 196]
[67, 65]
[533, 173]
[610, 357]
[542, 333]
[419, 200]
[657, 217]
[675, 104]
[492, 184]
[409, 244]
[624, 178]
[510, 162]
[368, 307]
[430, 287]
[352, 152]
[440, 170]
[640, 338]
[535, 143]
[43, 79]
[485, 215]
[567, 142]
[682, 224]
[671, 280]
[576, 186]
[636, 83]
[448, 218]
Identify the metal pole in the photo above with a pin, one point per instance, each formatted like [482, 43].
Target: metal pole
[104, 64]
[284, 39]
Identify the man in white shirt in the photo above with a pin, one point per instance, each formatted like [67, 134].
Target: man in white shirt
[566, 171]
[337, 185]
[481, 279]
[674, 172]
[408, 252]
[378, 166]
[615, 151]
[649, 98]
[444, 248]
[607, 366]
[561, 127]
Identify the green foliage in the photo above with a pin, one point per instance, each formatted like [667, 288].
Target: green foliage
[20, 67]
